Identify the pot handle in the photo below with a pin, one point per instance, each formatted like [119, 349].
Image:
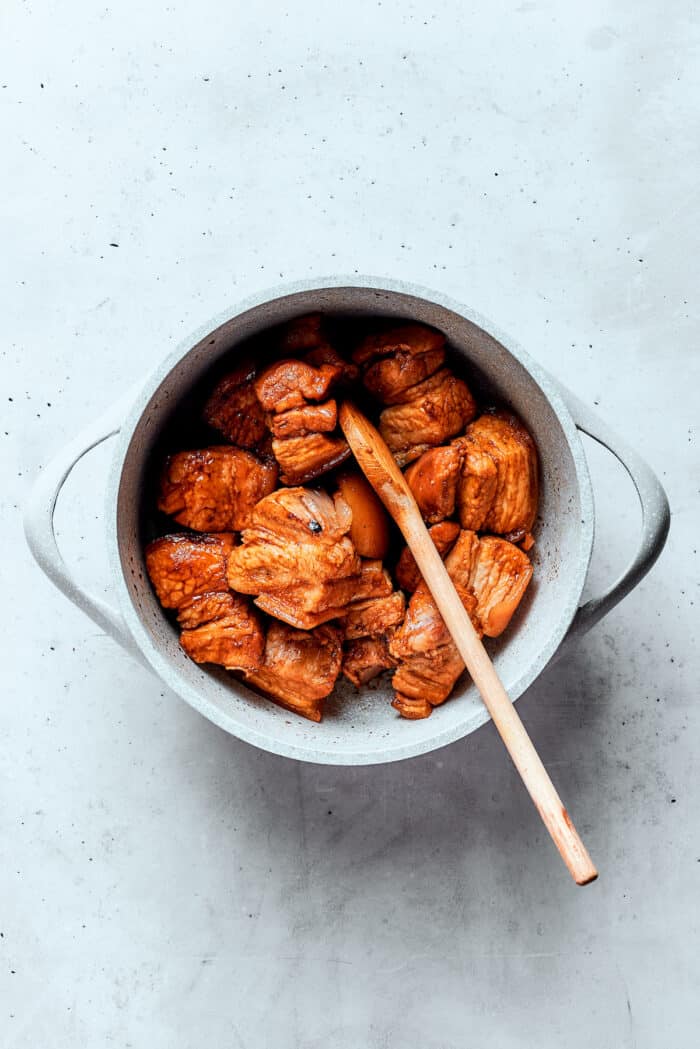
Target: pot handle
[39, 522]
[656, 517]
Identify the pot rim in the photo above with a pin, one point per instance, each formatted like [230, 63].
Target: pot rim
[163, 666]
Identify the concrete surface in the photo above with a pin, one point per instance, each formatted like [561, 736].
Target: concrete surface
[166, 886]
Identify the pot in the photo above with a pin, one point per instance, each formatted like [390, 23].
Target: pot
[357, 729]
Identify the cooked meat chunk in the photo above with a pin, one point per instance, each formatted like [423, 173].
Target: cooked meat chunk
[299, 669]
[443, 536]
[412, 339]
[438, 408]
[229, 632]
[181, 567]
[313, 603]
[426, 678]
[429, 663]
[375, 617]
[433, 479]
[290, 383]
[412, 709]
[204, 608]
[390, 377]
[499, 580]
[495, 571]
[296, 537]
[214, 489]
[365, 658]
[302, 333]
[326, 354]
[302, 459]
[311, 418]
[499, 487]
[234, 410]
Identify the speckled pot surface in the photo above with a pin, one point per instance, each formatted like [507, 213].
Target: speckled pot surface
[362, 727]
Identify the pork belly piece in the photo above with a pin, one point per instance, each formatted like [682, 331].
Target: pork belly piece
[296, 537]
[214, 489]
[438, 408]
[291, 383]
[374, 618]
[229, 632]
[365, 658]
[433, 479]
[302, 459]
[181, 567]
[299, 669]
[311, 418]
[234, 410]
[428, 661]
[496, 571]
[499, 489]
[443, 536]
[389, 378]
[426, 680]
[313, 603]
[411, 339]
[412, 709]
[499, 579]
[324, 353]
[302, 333]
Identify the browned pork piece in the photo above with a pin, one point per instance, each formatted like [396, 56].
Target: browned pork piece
[365, 658]
[488, 477]
[291, 383]
[304, 444]
[433, 479]
[188, 573]
[425, 402]
[302, 333]
[443, 536]
[431, 411]
[491, 576]
[182, 567]
[214, 489]
[499, 488]
[299, 668]
[302, 459]
[235, 411]
[374, 618]
[296, 537]
[311, 604]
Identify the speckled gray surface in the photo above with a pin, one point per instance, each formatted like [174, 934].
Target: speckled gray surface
[165, 885]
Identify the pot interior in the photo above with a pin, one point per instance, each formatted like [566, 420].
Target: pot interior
[359, 727]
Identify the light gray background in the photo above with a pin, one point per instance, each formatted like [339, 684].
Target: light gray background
[164, 885]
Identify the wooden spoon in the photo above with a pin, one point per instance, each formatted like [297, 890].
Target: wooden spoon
[378, 465]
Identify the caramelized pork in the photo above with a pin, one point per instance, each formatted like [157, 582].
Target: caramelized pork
[433, 479]
[291, 383]
[313, 603]
[410, 339]
[374, 618]
[227, 632]
[299, 669]
[297, 537]
[214, 489]
[390, 377]
[365, 658]
[311, 418]
[326, 354]
[303, 459]
[443, 536]
[234, 410]
[499, 579]
[434, 410]
[499, 487]
[181, 567]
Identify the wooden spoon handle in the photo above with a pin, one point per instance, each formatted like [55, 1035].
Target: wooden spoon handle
[384, 475]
